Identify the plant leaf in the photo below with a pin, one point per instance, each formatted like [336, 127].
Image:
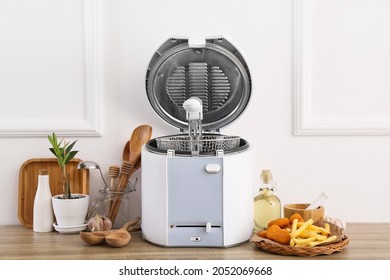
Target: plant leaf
[52, 150]
[64, 154]
[69, 148]
[70, 155]
[56, 146]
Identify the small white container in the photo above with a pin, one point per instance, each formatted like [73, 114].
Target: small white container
[70, 212]
[43, 217]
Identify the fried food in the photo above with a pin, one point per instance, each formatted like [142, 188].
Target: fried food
[296, 232]
[281, 222]
[308, 235]
[278, 234]
[322, 230]
[330, 239]
[295, 216]
[262, 233]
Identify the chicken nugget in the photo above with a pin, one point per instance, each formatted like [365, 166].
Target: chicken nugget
[278, 235]
[289, 227]
[262, 233]
[281, 222]
[296, 216]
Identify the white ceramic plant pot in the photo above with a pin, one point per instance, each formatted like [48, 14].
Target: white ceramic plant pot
[70, 212]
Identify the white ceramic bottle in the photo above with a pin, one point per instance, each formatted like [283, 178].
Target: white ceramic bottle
[43, 216]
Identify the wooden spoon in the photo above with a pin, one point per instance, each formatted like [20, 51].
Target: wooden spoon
[121, 237]
[136, 166]
[140, 136]
[126, 157]
[126, 151]
[94, 237]
[132, 149]
[98, 237]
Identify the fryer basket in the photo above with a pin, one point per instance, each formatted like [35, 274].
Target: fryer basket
[207, 143]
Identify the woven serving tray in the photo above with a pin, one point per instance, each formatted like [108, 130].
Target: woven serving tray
[28, 182]
[273, 247]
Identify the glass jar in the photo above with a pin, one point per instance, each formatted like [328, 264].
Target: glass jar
[114, 205]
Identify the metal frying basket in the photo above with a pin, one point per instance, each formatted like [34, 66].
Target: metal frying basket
[207, 143]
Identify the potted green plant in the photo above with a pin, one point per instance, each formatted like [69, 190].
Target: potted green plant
[69, 209]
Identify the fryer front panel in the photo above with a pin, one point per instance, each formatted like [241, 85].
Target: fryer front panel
[195, 201]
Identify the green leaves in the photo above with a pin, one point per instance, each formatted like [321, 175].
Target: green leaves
[63, 154]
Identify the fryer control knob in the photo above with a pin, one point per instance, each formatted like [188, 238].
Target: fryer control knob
[208, 227]
[213, 168]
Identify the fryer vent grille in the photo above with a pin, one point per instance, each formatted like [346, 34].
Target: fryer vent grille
[198, 79]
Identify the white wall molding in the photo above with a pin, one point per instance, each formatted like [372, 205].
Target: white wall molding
[92, 63]
[304, 122]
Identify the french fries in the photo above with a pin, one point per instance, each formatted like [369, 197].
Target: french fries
[299, 230]
[330, 239]
[308, 235]
[304, 233]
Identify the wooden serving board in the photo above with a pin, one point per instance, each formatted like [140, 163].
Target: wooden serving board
[28, 183]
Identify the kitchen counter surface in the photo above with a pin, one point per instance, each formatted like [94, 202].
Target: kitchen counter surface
[367, 241]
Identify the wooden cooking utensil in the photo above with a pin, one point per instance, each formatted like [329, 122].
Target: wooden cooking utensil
[114, 207]
[126, 157]
[121, 237]
[136, 166]
[140, 136]
[146, 130]
[123, 179]
[125, 175]
[113, 172]
[98, 237]
[94, 237]
[132, 151]
[126, 151]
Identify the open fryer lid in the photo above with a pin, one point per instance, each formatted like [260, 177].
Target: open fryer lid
[216, 73]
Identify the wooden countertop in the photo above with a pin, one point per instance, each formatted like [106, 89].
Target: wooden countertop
[367, 241]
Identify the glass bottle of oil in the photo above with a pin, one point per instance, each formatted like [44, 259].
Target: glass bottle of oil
[266, 204]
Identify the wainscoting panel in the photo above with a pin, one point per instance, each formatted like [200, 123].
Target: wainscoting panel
[50, 68]
[341, 67]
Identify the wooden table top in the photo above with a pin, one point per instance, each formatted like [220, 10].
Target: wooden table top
[367, 241]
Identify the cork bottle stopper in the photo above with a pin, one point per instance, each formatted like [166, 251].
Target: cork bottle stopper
[43, 172]
[266, 176]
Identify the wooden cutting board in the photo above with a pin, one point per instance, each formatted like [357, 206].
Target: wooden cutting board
[28, 183]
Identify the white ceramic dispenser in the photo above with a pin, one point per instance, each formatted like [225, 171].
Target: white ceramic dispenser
[43, 216]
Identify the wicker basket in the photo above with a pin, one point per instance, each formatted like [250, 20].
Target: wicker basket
[276, 248]
[326, 249]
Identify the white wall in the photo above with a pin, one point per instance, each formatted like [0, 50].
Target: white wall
[318, 116]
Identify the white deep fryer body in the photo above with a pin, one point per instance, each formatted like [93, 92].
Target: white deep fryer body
[211, 209]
